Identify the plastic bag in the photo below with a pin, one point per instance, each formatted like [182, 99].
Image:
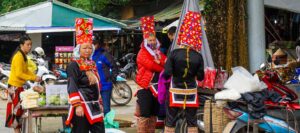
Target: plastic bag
[109, 120]
[221, 78]
[242, 81]
[209, 78]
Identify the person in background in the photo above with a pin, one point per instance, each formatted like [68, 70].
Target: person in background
[17, 78]
[182, 94]
[107, 70]
[150, 62]
[86, 110]
[171, 35]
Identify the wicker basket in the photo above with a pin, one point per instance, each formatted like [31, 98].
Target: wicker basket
[219, 118]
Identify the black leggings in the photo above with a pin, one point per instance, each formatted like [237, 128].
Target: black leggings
[172, 112]
[82, 125]
[149, 105]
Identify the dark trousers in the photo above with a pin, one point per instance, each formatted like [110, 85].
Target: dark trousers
[106, 97]
[148, 104]
[172, 115]
[82, 125]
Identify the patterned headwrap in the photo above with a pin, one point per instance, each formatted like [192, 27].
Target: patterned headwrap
[84, 30]
[147, 25]
[190, 33]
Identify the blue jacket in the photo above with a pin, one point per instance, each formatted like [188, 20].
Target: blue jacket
[104, 62]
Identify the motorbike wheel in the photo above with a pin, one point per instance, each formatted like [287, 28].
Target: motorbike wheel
[181, 125]
[121, 93]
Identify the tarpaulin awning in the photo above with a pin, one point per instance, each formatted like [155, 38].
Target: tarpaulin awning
[53, 17]
[289, 5]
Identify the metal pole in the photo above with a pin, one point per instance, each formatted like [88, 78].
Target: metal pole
[256, 33]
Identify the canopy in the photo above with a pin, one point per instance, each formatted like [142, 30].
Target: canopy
[52, 17]
[289, 5]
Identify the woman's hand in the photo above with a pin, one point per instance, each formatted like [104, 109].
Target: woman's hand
[38, 79]
[157, 61]
[92, 77]
[79, 111]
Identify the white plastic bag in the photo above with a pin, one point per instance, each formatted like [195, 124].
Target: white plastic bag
[242, 81]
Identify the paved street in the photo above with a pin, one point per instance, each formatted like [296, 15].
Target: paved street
[52, 124]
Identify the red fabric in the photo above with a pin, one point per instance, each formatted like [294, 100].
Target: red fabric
[147, 67]
[190, 31]
[209, 78]
[147, 25]
[13, 108]
[84, 30]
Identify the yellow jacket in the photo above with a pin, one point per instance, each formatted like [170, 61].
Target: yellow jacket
[19, 73]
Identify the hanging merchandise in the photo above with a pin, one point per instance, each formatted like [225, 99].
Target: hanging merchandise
[221, 78]
[209, 78]
[63, 55]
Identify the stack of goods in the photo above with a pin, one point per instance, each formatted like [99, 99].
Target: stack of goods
[29, 99]
[63, 56]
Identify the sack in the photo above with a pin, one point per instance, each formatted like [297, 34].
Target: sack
[242, 81]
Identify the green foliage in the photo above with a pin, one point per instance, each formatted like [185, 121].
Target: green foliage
[95, 6]
[10, 5]
[208, 6]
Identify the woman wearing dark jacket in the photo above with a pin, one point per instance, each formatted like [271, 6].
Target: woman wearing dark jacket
[86, 111]
[184, 66]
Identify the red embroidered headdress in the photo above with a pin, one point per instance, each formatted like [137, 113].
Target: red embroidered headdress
[84, 30]
[147, 25]
[190, 33]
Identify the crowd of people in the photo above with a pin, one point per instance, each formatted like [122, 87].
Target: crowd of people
[92, 72]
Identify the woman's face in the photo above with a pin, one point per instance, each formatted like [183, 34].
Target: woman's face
[86, 50]
[151, 41]
[26, 47]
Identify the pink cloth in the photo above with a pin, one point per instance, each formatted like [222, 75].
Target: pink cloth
[163, 87]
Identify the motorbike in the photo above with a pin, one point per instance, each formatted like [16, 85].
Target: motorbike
[121, 92]
[4, 73]
[129, 68]
[47, 76]
[61, 74]
[280, 117]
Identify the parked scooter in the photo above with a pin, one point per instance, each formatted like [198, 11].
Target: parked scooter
[130, 68]
[121, 93]
[281, 117]
[3, 80]
[47, 76]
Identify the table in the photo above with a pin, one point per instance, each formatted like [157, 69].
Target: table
[46, 111]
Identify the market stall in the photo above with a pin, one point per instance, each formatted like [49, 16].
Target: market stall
[38, 102]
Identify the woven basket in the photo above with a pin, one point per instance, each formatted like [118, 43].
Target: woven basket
[219, 118]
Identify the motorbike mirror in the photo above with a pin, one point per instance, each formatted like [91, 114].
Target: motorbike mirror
[262, 66]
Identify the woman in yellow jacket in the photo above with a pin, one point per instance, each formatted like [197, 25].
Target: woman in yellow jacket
[18, 76]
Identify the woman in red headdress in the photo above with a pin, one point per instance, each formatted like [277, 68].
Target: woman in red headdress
[150, 62]
[86, 111]
[184, 65]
